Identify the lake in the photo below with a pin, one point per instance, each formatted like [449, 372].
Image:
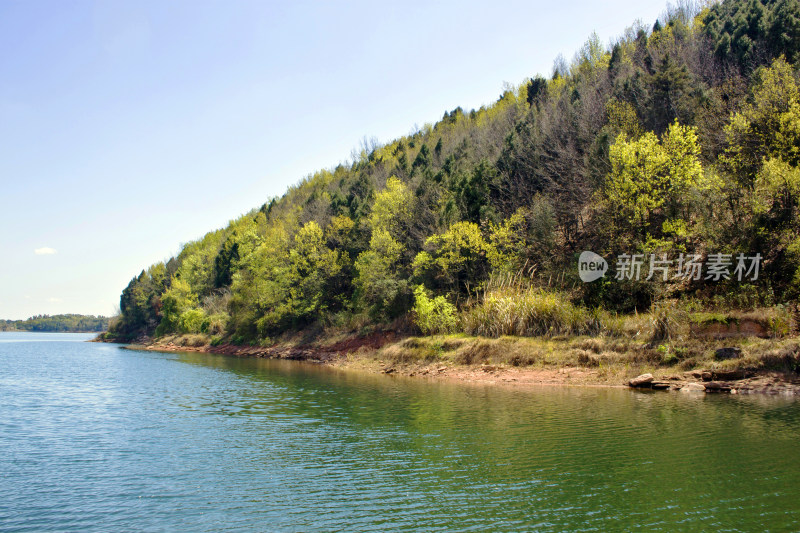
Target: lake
[96, 438]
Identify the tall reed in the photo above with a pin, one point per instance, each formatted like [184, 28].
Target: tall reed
[510, 305]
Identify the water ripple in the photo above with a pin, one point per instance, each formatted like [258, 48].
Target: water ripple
[94, 438]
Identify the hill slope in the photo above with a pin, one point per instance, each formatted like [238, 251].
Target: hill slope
[682, 138]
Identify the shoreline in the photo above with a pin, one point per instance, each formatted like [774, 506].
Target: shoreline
[386, 353]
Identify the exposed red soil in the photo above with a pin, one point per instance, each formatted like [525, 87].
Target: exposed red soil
[325, 353]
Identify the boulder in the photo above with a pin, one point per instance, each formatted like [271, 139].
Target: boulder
[641, 381]
[727, 353]
[660, 385]
[693, 387]
[729, 375]
[718, 386]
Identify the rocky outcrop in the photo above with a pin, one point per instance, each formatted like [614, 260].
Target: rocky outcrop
[718, 386]
[643, 381]
[730, 375]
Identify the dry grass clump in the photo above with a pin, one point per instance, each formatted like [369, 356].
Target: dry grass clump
[667, 321]
[592, 344]
[776, 320]
[502, 351]
[194, 340]
[764, 354]
[785, 359]
[413, 350]
[588, 358]
[533, 312]
[464, 351]
[517, 351]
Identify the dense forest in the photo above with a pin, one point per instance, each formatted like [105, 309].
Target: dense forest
[679, 138]
[57, 323]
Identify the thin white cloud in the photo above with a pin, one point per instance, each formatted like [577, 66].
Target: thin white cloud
[45, 251]
[55, 300]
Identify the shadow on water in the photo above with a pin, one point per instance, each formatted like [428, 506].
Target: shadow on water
[591, 450]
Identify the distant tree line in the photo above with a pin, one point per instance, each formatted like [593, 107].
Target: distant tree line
[683, 136]
[64, 323]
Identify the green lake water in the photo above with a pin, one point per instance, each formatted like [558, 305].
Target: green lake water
[97, 438]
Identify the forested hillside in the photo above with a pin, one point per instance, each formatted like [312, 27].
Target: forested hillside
[57, 323]
[682, 137]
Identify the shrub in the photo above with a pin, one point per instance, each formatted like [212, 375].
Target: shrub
[194, 340]
[217, 323]
[193, 321]
[216, 340]
[530, 312]
[433, 315]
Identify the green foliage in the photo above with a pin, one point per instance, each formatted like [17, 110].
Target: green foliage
[433, 315]
[777, 188]
[197, 263]
[768, 126]
[311, 266]
[454, 258]
[193, 321]
[392, 207]
[178, 299]
[380, 282]
[507, 242]
[469, 193]
[217, 323]
[140, 302]
[651, 179]
[742, 31]
[622, 119]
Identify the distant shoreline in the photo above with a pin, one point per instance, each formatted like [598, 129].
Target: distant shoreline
[66, 323]
[92, 332]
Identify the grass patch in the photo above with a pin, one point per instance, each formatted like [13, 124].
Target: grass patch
[516, 351]
[606, 357]
[533, 312]
[708, 318]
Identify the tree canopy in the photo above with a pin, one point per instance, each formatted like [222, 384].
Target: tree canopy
[682, 135]
[58, 323]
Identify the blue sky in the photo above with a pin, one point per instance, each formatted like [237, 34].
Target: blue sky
[128, 128]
